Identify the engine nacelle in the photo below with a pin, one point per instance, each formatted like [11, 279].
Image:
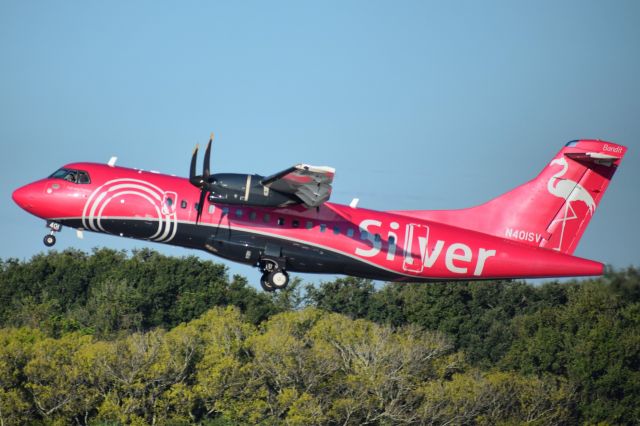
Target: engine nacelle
[244, 189]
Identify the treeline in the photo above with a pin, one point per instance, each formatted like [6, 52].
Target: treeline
[112, 338]
[108, 292]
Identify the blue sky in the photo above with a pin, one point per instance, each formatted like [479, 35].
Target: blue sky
[418, 105]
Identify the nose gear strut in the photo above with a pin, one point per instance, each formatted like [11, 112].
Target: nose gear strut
[50, 239]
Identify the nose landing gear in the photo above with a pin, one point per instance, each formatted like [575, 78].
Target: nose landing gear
[50, 239]
[274, 277]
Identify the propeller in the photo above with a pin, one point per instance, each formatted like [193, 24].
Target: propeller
[201, 181]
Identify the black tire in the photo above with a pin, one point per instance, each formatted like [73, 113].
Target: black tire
[278, 279]
[264, 283]
[49, 240]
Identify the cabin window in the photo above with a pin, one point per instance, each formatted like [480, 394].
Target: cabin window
[336, 230]
[238, 212]
[212, 208]
[323, 227]
[196, 206]
[392, 240]
[309, 224]
[280, 221]
[169, 202]
[225, 211]
[350, 232]
[266, 218]
[183, 204]
[377, 238]
[364, 235]
[252, 215]
[295, 224]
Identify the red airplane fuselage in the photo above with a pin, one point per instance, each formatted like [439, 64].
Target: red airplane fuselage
[339, 239]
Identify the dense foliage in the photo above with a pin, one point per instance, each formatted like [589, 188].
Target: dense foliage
[107, 291]
[111, 338]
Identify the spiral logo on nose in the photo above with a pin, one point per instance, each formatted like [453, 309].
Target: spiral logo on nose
[136, 191]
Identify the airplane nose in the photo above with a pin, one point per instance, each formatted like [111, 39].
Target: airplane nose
[24, 197]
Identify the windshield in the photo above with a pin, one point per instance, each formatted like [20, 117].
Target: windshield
[71, 175]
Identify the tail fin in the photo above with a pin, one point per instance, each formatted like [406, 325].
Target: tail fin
[550, 211]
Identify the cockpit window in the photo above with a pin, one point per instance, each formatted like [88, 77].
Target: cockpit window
[71, 175]
[83, 177]
[59, 174]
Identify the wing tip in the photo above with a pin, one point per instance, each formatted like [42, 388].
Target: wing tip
[315, 169]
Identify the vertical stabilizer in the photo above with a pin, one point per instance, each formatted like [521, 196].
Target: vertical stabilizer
[550, 211]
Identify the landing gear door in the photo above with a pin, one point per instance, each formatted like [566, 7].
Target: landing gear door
[169, 201]
[415, 249]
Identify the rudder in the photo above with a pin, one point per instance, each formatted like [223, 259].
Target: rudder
[583, 172]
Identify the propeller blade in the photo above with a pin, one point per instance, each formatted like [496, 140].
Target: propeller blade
[192, 170]
[201, 181]
[203, 194]
[207, 160]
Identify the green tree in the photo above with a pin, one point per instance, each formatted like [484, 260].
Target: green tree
[376, 370]
[496, 398]
[349, 296]
[110, 292]
[57, 383]
[222, 382]
[594, 341]
[112, 306]
[16, 350]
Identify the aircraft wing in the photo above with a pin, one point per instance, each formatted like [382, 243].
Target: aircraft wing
[311, 184]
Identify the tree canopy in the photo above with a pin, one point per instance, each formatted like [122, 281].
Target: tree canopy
[115, 338]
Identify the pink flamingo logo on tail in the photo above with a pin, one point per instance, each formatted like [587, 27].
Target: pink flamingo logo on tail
[569, 191]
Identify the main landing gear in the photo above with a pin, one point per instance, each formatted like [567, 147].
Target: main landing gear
[50, 239]
[274, 277]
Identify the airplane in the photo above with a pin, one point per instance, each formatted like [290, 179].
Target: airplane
[284, 222]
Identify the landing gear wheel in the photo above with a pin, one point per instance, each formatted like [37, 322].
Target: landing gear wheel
[274, 277]
[278, 279]
[264, 283]
[49, 240]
